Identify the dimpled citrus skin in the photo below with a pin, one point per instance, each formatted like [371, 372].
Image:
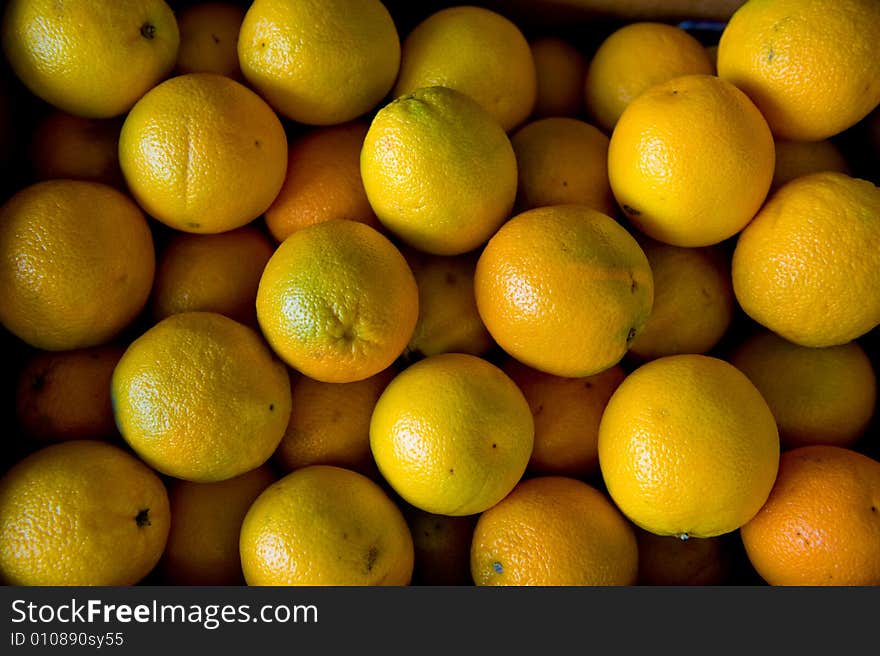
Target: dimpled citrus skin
[212, 273]
[81, 513]
[693, 300]
[688, 447]
[319, 62]
[202, 547]
[337, 301]
[812, 67]
[475, 51]
[553, 531]
[323, 181]
[209, 38]
[90, 57]
[65, 395]
[817, 395]
[564, 289]
[562, 160]
[821, 524]
[559, 73]
[76, 264]
[410, 142]
[203, 153]
[634, 58]
[201, 397]
[690, 187]
[452, 434]
[807, 266]
[797, 158]
[324, 525]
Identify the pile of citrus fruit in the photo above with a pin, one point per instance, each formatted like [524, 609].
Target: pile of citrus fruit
[326, 292]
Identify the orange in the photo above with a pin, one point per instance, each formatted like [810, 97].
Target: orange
[66, 395]
[212, 273]
[76, 264]
[319, 62]
[452, 434]
[324, 525]
[806, 267]
[821, 524]
[448, 317]
[442, 547]
[685, 186]
[554, 531]
[811, 67]
[427, 131]
[797, 158]
[323, 181]
[209, 39]
[693, 300]
[476, 51]
[200, 397]
[564, 289]
[560, 68]
[90, 58]
[337, 301]
[66, 146]
[634, 58]
[817, 395]
[202, 547]
[203, 153]
[330, 424]
[81, 513]
[688, 447]
[562, 161]
[669, 560]
[567, 412]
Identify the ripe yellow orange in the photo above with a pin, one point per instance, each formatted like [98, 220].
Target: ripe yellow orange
[634, 58]
[323, 181]
[337, 301]
[452, 434]
[66, 146]
[476, 51]
[442, 547]
[685, 186]
[448, 317]
[330, 424]
[553, 531]
[324, 525]
[693, 300]
[811, 67]
[203, 153]
[76, 264]
[81, 513]
[669, 560]
[206, 518]
[806, 267]
[209, 38]
[567, 412]
[212, 273]
[817, 395]
[688, 447]
[564, 289]
[419, 134]
[90, 58]
[200, 397]
[797, 158]
[821, 524]
[560, 161]
[66, 395]
[319, 62]
[560, 68]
